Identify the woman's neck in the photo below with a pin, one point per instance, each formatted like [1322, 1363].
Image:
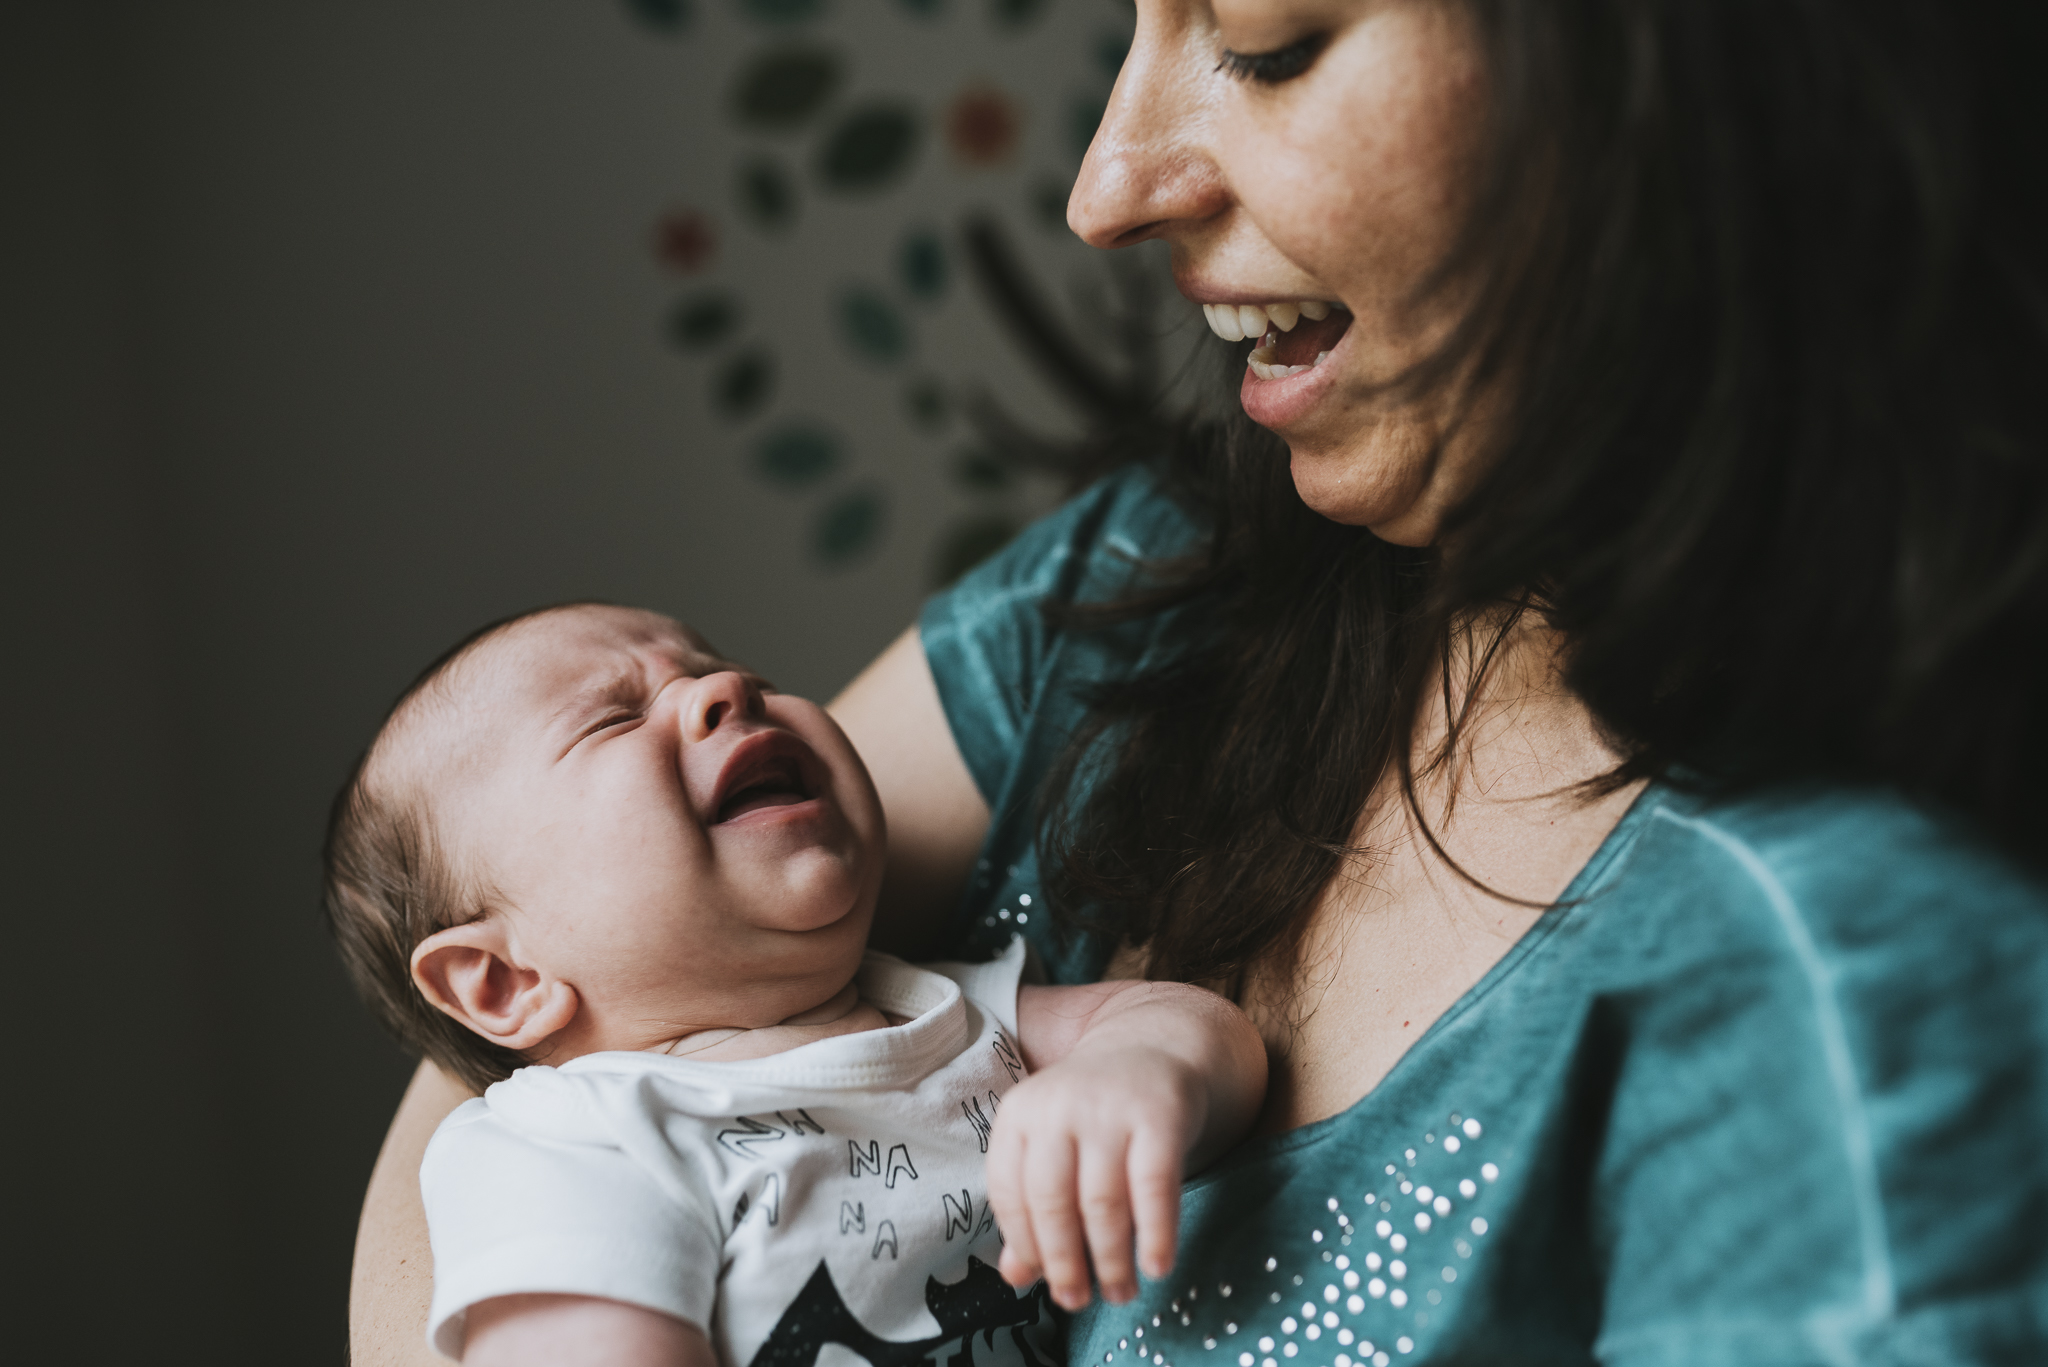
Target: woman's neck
[1499, 722]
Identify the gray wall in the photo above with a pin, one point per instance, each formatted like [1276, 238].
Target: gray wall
[117, 1194]
[331, 333]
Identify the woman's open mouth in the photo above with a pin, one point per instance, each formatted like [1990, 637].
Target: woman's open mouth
[1293, 337]
[767, 770]
[1285, 380]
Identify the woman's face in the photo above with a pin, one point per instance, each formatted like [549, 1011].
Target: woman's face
[1310, 152]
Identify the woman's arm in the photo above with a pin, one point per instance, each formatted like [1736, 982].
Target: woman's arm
[936, 815]
[393, 1277]
[563, 1331]
[936, 821]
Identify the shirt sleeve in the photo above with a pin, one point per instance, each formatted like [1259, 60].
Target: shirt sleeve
[509, 1213]
[991, 650]
[1825, 1144]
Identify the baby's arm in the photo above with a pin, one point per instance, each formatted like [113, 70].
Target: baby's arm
[1132, 1084]
[562, 1331]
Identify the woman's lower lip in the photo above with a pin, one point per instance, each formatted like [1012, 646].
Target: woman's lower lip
[1276, 404]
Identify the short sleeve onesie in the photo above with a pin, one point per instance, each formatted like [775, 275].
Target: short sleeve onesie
[814, 1208]
[1768, 1086]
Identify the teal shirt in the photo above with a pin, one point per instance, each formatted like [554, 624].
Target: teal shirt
[1768, 1086]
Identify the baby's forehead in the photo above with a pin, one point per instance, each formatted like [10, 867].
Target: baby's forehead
[549, 659]
[518, 678]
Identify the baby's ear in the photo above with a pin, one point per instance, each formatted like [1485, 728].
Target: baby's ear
[472, 973]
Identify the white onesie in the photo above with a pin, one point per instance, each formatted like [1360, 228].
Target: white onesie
[812, 1207]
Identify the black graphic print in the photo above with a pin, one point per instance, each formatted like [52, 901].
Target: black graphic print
[868, 1160]
[747, 1133]
[1008, 1055]
[982, 1121]
[959, 1214]
[770, 1203]
[979, 1303]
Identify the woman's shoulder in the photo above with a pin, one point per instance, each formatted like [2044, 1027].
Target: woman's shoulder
[1842, 870]
[1085, 550]
[1897, 923]
[1012, 678]
[1831, 1001]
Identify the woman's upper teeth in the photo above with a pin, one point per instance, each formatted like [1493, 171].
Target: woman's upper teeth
[1235, 322]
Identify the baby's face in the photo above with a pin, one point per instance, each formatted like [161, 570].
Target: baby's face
[685, 847]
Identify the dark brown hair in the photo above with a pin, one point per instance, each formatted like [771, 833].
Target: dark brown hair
[1771, 280]
[389, 884]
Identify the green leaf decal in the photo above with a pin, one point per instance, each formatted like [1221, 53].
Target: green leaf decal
[781, 11]
[666, 16]
[870, 147]
[1084, 116]
[981, 473]
[848, 527]
[1110, 51]
[925, 399]
[1015, 13]
[767, 194]
[743, 385]
[783, 87]
[796, 457]
[703, 320]
[1049, 200]
[966, 544]
[922, 263]
[872, 326]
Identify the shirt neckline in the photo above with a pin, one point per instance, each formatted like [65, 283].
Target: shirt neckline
[938, 1030]
[1584, 884]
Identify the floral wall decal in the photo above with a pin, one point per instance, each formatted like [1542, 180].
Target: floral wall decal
[878, 159]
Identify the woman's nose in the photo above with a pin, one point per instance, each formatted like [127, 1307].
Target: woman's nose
[717, 699]
[1150, 166]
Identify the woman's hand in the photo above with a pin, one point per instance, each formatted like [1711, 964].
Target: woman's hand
[1139, 1083]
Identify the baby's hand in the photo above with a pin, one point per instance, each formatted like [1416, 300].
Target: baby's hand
[1081, 1154]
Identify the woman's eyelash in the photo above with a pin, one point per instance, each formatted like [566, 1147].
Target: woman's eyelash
[1270, 68]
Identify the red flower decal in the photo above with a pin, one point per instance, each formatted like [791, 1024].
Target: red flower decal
[684, 241]
[982, 126]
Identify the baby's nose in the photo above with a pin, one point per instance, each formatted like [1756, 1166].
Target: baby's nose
[717, 699]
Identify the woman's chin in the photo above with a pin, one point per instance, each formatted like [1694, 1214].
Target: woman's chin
[1356, 488]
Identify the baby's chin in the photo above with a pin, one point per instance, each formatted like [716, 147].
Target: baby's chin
[818, 896]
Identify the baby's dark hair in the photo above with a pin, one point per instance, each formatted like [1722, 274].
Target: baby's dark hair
[389, 883]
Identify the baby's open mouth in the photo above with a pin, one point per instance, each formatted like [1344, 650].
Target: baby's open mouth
[1293, 337]
[771, 781]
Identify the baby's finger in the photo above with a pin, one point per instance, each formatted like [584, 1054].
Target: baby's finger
[1106, 1216]
[1019, 1263]
[1049, 1181]
[1155, 1162]
[1017, 1268]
